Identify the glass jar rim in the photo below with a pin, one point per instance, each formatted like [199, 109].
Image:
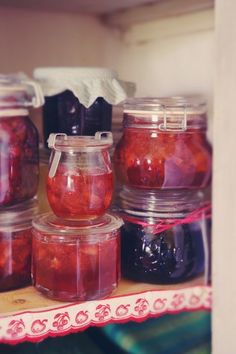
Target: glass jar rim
[22, 91]
[160, 204]
[18, 216]
[50, 224]
[192, 104]
[63, 142]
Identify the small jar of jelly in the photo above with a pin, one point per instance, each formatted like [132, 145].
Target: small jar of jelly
[80, 179]
[164, 144]
[165, 237]
[16, 244]
[19, 171]
[76, 260]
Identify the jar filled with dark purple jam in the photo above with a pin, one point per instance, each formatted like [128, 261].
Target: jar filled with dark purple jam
[78, 101]
[63, 113]
[166, 237]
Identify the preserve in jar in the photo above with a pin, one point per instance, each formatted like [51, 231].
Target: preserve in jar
[19, 161]
[164, 144]
[76, 260]
[78, 101]
[16, 244]
[80, 179]
[165, 237]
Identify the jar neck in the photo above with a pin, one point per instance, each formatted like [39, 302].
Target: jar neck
[170, 122]
[161, 204]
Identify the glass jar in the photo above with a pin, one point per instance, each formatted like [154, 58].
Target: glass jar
[165, 237]
[78, 101]
[80, 179]
[164, 144]
[15, 245]
[19, 160]
[76, 260]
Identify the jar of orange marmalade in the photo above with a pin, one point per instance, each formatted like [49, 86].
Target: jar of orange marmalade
[164, 144]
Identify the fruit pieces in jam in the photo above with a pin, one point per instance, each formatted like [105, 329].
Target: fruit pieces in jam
[19, 161]
[172, 256]
[78, 193]
[148, 158]
[15, 259]
[76, 270]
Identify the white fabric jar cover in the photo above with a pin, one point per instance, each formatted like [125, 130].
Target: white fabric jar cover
[86, 83]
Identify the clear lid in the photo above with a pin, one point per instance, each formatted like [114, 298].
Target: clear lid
[63, 142]
[159, 204]
[19, 216]
[87, 230]
[86, 83]
[166, 113]
[17, 90]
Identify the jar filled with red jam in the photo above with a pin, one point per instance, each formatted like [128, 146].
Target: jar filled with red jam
[166, 237]
[16, 244]
[164, 144]
[80, 179]
[76, 260]
[19, 161]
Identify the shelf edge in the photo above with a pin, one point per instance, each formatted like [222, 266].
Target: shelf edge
[34, 325]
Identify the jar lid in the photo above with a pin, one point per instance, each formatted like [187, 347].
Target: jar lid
[63, 142]
[86, 83]
[17, 90]
[166, 113]
[161, 204]
[19, 216]
[50, 224]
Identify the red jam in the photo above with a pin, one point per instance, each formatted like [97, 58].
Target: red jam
[78, 267]
[164, 144]
[19, 160]
[15, 259]
[80, 179]
[19, 169]
[163, 160]
[80, 194]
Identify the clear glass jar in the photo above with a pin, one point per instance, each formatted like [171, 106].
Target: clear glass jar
[19, 160]
[15, 245]
[80, 180]
[165, 237]
[76, 260]
[164, 144]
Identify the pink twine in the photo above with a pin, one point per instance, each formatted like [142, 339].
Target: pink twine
[203, 212]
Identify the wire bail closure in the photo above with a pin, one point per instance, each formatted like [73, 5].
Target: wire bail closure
[179, 125]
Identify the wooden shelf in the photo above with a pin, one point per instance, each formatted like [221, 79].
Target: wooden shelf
[26, 315]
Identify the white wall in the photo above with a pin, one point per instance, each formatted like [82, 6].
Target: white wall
[32, 38]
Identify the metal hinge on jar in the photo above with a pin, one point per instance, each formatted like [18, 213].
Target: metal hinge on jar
[178, 125]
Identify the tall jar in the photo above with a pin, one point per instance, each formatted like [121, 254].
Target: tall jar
[80, 179]
[19, 160]
[164, 144]
[16, 245]
[78, 101]
[76, 260]
[166, 235]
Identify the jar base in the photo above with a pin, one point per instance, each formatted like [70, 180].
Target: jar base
[65, 296]
[144, 278]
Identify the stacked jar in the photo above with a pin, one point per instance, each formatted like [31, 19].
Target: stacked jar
[163, 164]
[19, 172]
[78, 244]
